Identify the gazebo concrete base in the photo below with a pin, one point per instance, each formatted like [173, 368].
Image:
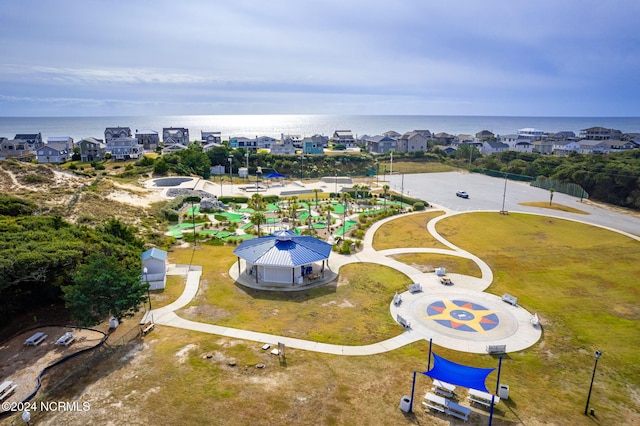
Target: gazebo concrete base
[248, 280]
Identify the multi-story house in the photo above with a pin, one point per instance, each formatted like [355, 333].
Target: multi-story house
[600, 134]
[443, 138]
[543, 146]
[412, 142]
[116, 132]
[379, 144]
[283, 147]
[210, 137]
[19, 149]
[33, 140]
[485, 135]
[175, 135]
[92, 149]
[125, 148]
[314, 144]
[343, 137]
[56, 150]
[148, 139]
[492, 147]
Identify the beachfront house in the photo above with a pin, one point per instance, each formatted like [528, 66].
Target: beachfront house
[343, 138]
[443, 138]
[18, 149]
[148, 139]
[283, 147]
[413, 141]
[116, 132]
[492, 147]
[175, 135]
[485, 135]
[54, 152]
[543, 146]
[562, 148]
[210, 137]
[379, 144]
[33, 140]
[600, 133]
[313, 145]
[123, 148]
[92, 149]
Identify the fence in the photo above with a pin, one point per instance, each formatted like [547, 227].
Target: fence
[563, 187]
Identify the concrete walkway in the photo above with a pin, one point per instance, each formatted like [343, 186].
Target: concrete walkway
[514, 329]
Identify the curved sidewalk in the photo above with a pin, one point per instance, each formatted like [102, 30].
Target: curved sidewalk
[514, 329]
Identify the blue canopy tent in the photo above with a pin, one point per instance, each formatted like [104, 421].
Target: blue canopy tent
[274, 176]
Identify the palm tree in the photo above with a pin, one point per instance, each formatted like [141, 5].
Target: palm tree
[345, 197]
[315, 191]
[256, 202]
[385, 188]
[328, 208]
[258, 218]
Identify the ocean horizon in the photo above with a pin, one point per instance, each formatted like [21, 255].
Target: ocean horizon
[305, 125]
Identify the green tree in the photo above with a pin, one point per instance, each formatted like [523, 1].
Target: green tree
[160, 166]
[257, 219]
[103, 286]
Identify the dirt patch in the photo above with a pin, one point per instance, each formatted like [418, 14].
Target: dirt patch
[22, 364]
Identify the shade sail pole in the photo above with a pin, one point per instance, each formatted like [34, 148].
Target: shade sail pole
[429, 360]
[413, 389]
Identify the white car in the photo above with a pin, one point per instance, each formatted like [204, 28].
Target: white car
[462, 194]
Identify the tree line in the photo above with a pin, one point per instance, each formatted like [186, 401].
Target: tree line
[44, 260]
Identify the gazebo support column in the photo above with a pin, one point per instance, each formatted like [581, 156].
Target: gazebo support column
[245, 265]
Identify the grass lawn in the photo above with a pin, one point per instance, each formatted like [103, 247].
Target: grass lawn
[407, 231]
[427, 262]
[554, 206]
[581, 280]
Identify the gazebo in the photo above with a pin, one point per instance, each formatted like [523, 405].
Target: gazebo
[283, 258]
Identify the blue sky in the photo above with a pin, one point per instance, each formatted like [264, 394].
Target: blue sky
[464, 57]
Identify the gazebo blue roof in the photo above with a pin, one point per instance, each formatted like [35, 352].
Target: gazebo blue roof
[284, 249]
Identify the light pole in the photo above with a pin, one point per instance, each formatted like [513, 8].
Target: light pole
[246, 156]
[597, 355]
[146, 278]
[504, 194]
[230, 172]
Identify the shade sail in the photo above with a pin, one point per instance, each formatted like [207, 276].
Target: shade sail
[458, 374]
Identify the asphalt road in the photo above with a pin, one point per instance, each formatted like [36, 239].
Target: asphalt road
[489, 193]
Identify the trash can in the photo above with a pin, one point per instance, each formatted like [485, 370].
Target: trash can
[503, 391]
[405, 404]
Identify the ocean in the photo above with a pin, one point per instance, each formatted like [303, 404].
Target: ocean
[305, 125]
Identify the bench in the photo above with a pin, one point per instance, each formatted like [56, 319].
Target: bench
[496, 349]
[313, 276]
[415, 288]
[65, 339]
[403, 322]
[146, 328]
[482, 398]
[7, 389]
[512, 300]
[397, 300]
[434, 407]
[534, 320]
[36, 339]
[461, 416]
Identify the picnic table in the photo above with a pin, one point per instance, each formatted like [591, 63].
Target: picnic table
[482, 398]
[65, 339]
[443, 388]
[6, 388]
[36, 339]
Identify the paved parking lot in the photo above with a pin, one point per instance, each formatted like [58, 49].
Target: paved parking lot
[488, 193]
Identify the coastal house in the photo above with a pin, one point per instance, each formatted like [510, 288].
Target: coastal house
[379, 144]
[412, 142]
[392, 134]
[463, 138]
[600, 133]
[259, 142]
[54, 152]
[343, 137]
[543, 146]
[116, 133]
[283, 147]
[154, 268]
[210, 137]
[148, 139]
[563, 136]
[123, 148]
[313, 145]
[265, 142]
[484, 135]
[493, 147]
[92, 149]
[175, 135]
[295, 140]
[176, 147]
[530, 134]
[443, 138]
[562, 148]
[18, 149]
[447, 149]
[33, 140]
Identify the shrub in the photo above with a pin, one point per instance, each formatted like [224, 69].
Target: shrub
[418, 206]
